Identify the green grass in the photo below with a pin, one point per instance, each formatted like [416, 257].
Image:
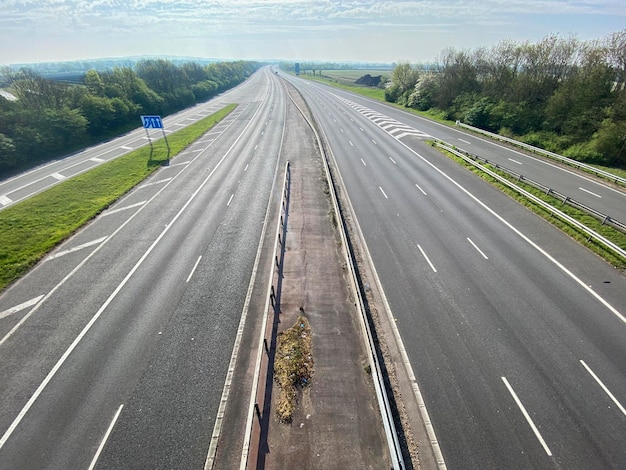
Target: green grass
[30, 229]
[594, 224]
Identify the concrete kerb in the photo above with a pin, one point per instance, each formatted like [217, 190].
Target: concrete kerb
[263, 361]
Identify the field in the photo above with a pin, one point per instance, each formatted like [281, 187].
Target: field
[349, 76]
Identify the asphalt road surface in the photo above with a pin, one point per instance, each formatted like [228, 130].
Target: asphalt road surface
[516, 333]
[115, 348]
[583, 188]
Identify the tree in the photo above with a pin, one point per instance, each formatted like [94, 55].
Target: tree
[404, 76]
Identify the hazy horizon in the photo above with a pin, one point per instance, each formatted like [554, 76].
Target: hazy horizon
[344, 31]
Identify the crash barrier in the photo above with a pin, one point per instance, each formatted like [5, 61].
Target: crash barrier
[553, 210]
[272, 302]
[384, 405]
[568, 161]
[605, 219]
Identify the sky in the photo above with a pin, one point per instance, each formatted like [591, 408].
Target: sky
[301, 30]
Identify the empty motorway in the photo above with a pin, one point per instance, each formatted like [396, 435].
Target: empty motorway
[115, 348]
[515, 333]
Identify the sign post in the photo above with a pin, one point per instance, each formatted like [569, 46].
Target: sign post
[155, 122]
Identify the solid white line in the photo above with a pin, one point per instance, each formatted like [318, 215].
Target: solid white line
[22, 306]
[523, 237]
[363, 162]
[477, 249]
[76, 248]
[58, 176]
[132, 206]
[229, 200]
[153, 183]
[382, 191]
[392, 161]
[104, 439]
[465, 141]
[418, 187]
[604, 387]
[5, 201]
[589, 192]
[193, 270]
[527, 416]
[111, 297]
[427, 258]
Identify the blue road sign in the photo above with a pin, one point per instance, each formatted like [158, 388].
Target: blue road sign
[152, 122]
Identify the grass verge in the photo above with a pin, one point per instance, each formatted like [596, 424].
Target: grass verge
[606, 231]
[432, 114]
[293, 366]
[32, 228]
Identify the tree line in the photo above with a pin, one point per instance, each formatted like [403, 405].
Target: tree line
[561, 94]
[50, 119]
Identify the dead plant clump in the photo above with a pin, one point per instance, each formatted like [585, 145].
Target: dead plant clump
[293, 366]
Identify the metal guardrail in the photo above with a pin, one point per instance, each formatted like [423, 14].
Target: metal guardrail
[393, 442]
[604, 218]
[582, 166]
[253, 407]
[591, 233]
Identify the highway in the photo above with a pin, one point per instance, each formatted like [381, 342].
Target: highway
[515, 333]
[38, 179]
[583, 188]
[115, 348]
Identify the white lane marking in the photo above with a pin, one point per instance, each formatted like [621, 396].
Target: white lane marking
[16, 422]
[126, 147]
[120, 209]
[5, 201]
[193, 270]
[230, 199]
[105, 438]
[392, 161]
[589, 192]
[547, 255]
[374, 142]
[363, 162]
[515, 161]
[477, 249]
[361, 129]
[256, 146]
[58, 176]
[351, 143]
[153, 183]
[245, 169]
[341, 129]
[76, 248]
[604, 387]
[22, 306]
[176, 164]
[382, 191]
[96, 159]
[527, 416]
[465, 141]
[418, 187]
[427, 258]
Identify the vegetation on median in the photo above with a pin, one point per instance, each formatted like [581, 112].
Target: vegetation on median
[293, 366]
[32, 228]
